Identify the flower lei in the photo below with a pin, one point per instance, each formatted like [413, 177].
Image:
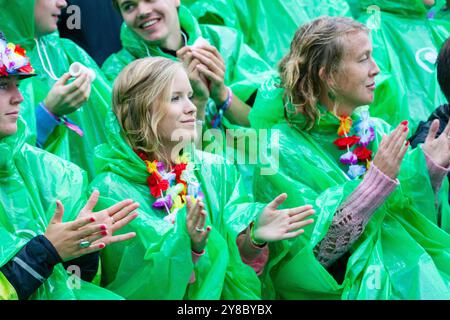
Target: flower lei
[178, 183]
[364, 134]
[13, 59]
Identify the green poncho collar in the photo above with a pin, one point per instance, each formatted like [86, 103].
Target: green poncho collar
[326, 123]
[139, 48]
[9, 146]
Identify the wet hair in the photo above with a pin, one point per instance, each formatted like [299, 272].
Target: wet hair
[317, 44]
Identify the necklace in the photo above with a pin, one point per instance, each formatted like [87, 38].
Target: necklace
[359, 157]
[171, 186]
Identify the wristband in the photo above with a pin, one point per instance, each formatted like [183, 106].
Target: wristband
[252, 237]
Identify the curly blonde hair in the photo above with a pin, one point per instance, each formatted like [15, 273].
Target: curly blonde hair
[140, 99]
[317, 44]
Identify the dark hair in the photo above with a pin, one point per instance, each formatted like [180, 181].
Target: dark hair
[443, 69]
[115, 5]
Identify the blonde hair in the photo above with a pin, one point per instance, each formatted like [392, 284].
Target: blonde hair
[140, 99]
[317, 44]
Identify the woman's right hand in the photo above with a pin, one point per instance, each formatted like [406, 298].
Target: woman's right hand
[391, 151]
[66, 236]
[195, 222]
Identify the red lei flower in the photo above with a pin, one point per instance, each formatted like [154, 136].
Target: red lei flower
[342, 143]
[363, 153]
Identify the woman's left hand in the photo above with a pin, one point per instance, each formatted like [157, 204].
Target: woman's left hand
[438, 149]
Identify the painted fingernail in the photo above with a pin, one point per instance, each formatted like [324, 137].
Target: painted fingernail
[405, 129]
[101, 245]
[102, 227]
[407, 143]
[105, 233]
[92, 219]
[404, 122]
[208, 228]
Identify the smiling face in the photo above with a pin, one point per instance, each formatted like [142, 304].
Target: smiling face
[46, 15]
[10, 99]
[180, 117]
[355, 78]
[155, 21]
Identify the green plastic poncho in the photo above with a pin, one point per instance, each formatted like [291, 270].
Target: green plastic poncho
[31, 181]
[268, 26]
[57, 54]
[405, 47]
[439, 13]
[157, 264]
[402, 253]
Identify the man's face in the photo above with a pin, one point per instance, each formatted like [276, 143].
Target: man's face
[46, 16]
[155, 21]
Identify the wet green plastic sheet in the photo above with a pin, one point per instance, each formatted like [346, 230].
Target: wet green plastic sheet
[402, 254]
[268, 25]
[17, 22]
[31, 181]
[405, 46]
[157, 264]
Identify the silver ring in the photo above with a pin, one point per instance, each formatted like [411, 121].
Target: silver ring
[112, 219]
[84, 243]
[199, 229]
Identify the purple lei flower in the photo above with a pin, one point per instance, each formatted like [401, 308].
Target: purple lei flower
[160, 167]
[355, 171]
[349, 158]
[161, 203]
[367, 136]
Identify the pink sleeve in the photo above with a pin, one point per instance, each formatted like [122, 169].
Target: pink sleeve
[252, 255]
[195, 257]
[352, 216]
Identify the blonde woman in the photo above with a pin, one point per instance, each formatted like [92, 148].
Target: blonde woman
[185, 247]
[378, 233]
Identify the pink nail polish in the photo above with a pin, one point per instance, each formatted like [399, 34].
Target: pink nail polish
[92, 219]
[101, 245]
[404, 122]
[208, 228]
[105, 233]
[405, 129]
[102, 227]
[407, 143]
